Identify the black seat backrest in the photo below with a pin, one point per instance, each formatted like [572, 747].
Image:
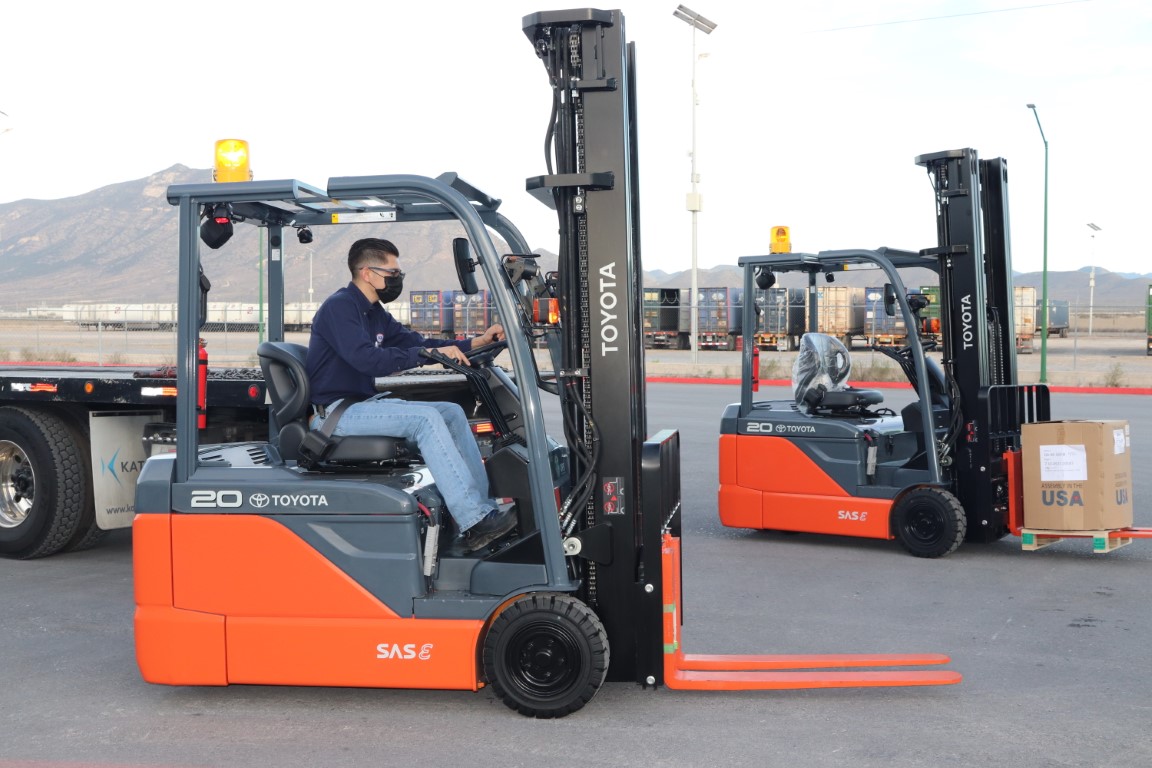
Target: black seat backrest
[285, 374]
[283, 365]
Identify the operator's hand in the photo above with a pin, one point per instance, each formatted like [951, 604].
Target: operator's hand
[452, 353]
[493, 334]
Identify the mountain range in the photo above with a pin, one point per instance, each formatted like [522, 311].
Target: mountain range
[119, 244]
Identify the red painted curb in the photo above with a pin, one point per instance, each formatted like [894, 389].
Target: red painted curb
[895, 385]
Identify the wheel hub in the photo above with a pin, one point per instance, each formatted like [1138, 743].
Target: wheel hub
[924, 525]
[545, 660]
[17, 485]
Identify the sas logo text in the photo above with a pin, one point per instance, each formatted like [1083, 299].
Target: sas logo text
[404, 651]
[851, 514]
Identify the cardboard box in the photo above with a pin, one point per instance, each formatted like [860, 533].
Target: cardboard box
[1077, 475]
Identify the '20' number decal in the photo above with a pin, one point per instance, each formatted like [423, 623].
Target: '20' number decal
[217, 499]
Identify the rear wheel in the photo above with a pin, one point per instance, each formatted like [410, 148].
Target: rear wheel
[546, 655]
[88, 533]
[44, 486]
[929, 522]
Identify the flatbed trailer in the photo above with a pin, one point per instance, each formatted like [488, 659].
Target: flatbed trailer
[73, 440]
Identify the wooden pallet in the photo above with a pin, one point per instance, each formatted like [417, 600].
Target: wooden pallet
[1102, 541]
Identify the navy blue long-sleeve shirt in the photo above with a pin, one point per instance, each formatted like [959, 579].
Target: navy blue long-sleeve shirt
[354, 340]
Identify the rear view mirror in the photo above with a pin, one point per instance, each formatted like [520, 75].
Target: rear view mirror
[205, 286]
[465, 265]
[889, 300]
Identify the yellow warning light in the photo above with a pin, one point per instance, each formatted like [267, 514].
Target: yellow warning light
[781, 240]
[231, 161]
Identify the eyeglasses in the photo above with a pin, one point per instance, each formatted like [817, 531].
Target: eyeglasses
[386, 272]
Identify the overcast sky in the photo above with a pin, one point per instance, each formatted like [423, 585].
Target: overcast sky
[810, 114]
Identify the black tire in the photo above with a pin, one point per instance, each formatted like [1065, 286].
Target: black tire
[546, 655]
[88, 533]
[44, 484]
[86, 538]
[929, 522]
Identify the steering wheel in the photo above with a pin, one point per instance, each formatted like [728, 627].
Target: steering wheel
[905, 351]
[483, 356]
[479, 357]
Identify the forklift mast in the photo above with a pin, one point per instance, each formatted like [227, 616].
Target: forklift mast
[975, 267]
[978, 330]
[627, 490]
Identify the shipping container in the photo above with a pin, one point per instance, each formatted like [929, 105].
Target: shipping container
[1148, 320]
[781, 319]
[1025, 310]
[930, 315]
[1058, 317]
[661, 315]
[718, 317]
[840, 312]
[472, 314]
[432, 314]
[880, 327]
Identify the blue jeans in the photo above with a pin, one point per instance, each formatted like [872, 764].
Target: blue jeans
[445, 439]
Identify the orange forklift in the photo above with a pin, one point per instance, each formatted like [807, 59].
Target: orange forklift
[834, 459]
[308, 559]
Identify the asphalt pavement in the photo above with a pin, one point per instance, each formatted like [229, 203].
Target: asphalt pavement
[1053, 646]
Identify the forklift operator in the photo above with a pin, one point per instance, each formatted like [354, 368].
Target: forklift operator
[354, 340]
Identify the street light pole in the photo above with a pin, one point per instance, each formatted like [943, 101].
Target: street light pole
[1044, 273]
[310, 254]
[1092, 276]
[697, 22]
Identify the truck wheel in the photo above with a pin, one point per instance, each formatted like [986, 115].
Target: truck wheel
[546, 655]
[88, 533]
[43, 484]
[929, 522]
[86, 538]
[1063, 333]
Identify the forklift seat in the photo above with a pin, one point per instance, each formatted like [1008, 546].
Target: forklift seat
[283, 364]
[819, 377]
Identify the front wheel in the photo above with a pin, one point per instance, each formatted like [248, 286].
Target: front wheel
[546, 655]
[929, 522]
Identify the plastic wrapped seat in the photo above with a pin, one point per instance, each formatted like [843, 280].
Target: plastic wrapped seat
[820, 377]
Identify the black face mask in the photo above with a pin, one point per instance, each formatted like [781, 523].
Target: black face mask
[393, 286]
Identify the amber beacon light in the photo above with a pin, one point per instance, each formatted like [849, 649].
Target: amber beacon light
[231, 161]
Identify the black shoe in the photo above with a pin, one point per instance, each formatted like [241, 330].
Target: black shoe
[491, 527]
